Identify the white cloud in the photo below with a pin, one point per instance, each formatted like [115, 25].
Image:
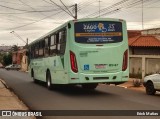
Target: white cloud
[39, 23]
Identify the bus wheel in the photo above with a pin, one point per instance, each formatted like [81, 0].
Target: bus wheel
[34, 80]
[89, 86]
[48, 78]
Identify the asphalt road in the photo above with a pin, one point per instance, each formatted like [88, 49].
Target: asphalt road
[38, 97]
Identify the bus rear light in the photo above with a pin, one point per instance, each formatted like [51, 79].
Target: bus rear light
[125, 60]
[73, 62]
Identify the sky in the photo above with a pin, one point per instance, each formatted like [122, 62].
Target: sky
[22, 19]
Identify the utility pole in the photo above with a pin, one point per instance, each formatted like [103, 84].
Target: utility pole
[27, 42]
[142, 16]
[13, 32]
[75, 11]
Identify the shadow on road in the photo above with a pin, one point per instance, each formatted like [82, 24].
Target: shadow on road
[74, 90]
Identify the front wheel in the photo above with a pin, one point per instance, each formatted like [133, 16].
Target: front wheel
[150, 88]
[49, 83]
[34, 80]
[89, 86]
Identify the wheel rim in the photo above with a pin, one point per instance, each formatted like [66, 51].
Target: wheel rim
[48, 81]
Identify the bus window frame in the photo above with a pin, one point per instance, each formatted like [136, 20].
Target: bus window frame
[51, 45]
[57, 42]
[47, 46]
[32, 51]
[41, 44]
[62, 40]
[41, 47]
[36, 50]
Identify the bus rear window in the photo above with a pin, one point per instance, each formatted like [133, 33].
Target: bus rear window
[98, 32]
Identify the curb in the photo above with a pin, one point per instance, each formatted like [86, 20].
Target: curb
[10, 101]
[4, 84]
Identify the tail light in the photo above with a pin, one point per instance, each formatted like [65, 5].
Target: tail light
[73, 62]
[125, 60]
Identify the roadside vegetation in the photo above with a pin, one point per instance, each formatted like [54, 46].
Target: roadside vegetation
[6, 57]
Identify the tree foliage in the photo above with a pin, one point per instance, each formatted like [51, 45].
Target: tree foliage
[14, 48]
[7, 59]
[1, 58]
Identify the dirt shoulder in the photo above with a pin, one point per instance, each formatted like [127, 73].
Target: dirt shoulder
[129, 85]
[9, 101]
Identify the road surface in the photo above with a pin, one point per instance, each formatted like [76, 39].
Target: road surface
[38, 97]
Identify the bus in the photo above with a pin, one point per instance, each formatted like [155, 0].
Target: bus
[83, 52]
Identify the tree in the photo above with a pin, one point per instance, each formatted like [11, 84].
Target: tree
[7, 59]
[1, 57]
[14, 48]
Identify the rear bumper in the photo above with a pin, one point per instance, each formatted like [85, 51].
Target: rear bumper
[98, 78]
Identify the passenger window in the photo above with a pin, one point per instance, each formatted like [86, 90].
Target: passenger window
[62, 42]
[36, 50]
[46, 47]
[52, 42]
[41, 48]
[53, 49]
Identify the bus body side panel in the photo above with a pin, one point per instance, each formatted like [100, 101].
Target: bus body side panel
[58, 66]
[125, 74]
[37, 67]
[56, 69]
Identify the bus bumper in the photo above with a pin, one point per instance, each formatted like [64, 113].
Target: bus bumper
[114, 78]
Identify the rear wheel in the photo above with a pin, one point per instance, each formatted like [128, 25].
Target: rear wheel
[89, 86]
[150, 88]
[48, 79]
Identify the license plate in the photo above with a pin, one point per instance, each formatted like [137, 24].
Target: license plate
[100, 66]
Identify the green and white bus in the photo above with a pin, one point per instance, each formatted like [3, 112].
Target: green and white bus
[84, 52]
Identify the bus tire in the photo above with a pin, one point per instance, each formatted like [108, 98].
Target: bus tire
[150, 88]
[48, 80]
[34, 80]
[90, 86]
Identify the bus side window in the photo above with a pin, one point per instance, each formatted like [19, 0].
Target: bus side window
[41, 48]
[62, 42]
[53, 50]
[58, 41]
[46, 52]
[32, 51]
[36, 50]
